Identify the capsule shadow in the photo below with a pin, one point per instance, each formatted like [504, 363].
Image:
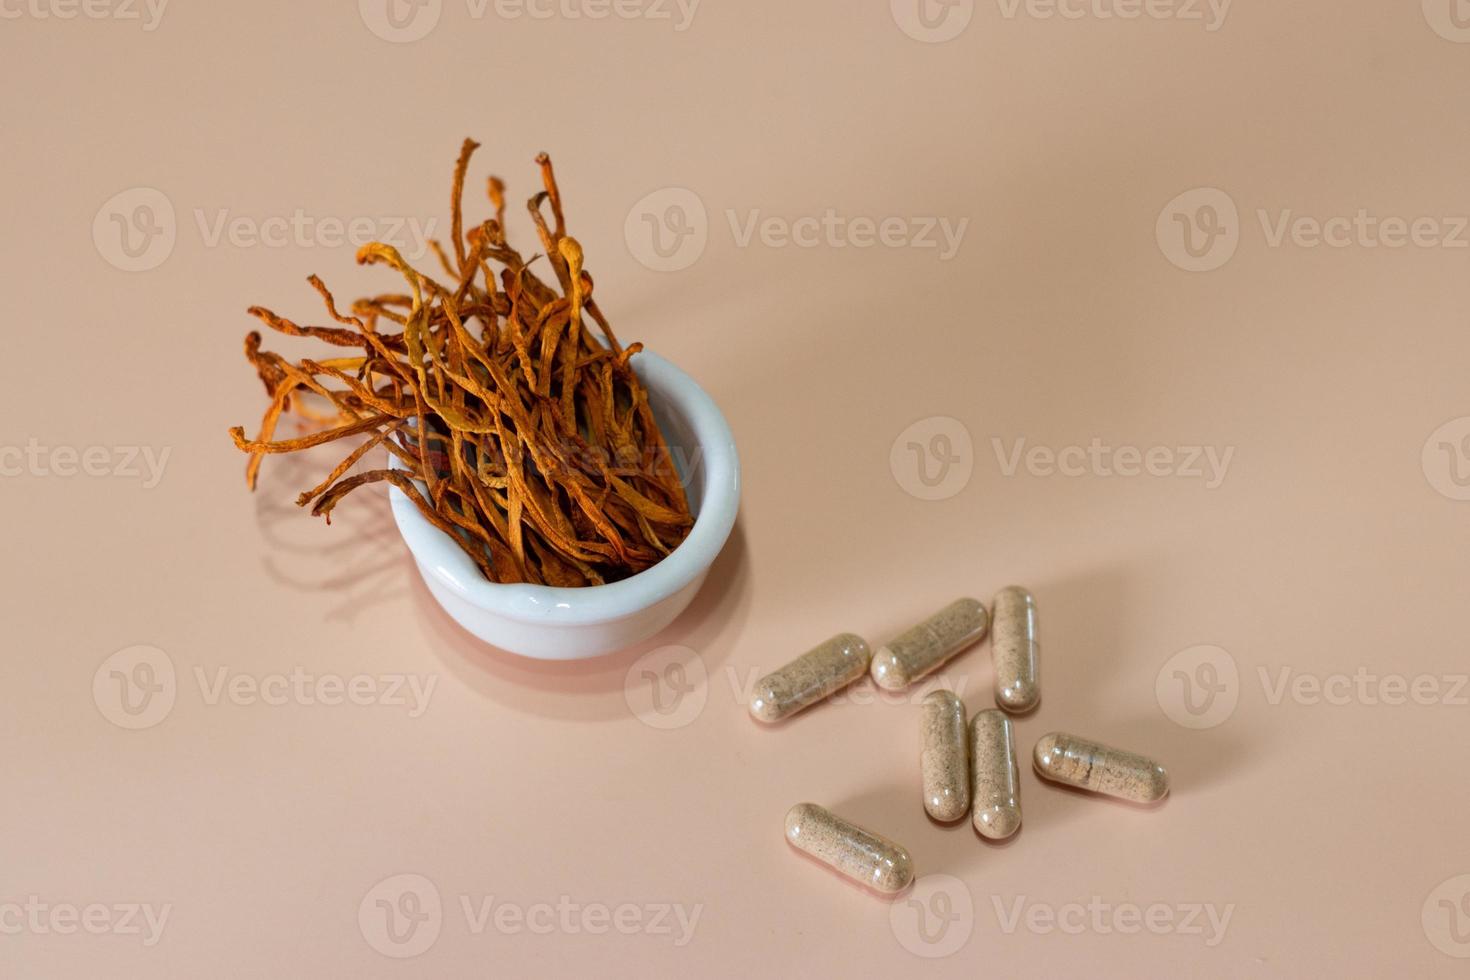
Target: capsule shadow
[1079, 622]
[942, 824]
[1003, 842]
[895, 810]
[1102, 798]
[846, 882]
[1200, 760]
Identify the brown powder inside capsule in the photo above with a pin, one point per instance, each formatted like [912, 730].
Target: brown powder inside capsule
[944, 758]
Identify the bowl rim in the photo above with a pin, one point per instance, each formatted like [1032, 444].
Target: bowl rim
[439, 556]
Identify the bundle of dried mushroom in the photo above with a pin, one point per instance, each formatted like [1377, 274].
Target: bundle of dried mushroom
[534, 442]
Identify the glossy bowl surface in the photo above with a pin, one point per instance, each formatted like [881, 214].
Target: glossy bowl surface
[551, 623]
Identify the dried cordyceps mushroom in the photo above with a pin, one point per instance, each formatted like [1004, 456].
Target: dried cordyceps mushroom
[534, 442]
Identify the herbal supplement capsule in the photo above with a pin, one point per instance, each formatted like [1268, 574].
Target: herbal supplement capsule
[860, 854]
[1092, 766]
[1014, 649]
[997, 780]
[809, 678]
[944, 758]
[923, 648]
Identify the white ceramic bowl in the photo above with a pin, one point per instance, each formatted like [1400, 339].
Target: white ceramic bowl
[572, 624]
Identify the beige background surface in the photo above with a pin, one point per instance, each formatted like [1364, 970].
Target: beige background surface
[1325, 553]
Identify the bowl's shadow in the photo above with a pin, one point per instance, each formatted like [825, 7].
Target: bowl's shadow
[362, 562]
[579, 688]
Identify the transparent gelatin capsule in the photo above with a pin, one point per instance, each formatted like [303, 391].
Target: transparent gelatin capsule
[870, 859]
[1015, 649]
[944, 756]
[1090, 765]
[923, 648]
[821, 671]
[996, 777]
